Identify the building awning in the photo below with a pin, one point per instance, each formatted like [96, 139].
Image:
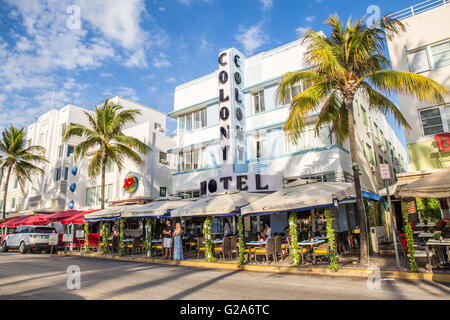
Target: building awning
[56, 217]
[109, 214]
[365, 194]
[217, 205]
[301, 198]
[435, 185]
[155, 209]
[77, 218]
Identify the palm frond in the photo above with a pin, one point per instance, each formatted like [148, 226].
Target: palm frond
[408, 83]
[134, 143]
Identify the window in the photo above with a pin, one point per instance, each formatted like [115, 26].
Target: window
[16, 183]
[66, 173]
[290, 94]
[432, 121]
[258, 102]
[192, 159]
[109, 166]
[260, 145]
[430, 58]
[192, 121]
[377, 129]
[418, 61]
[70, 150]
[308, 140]
[58, 174]
[371, 154]
[366, 119]
[441, 54]
[13, 203]
[60, 151]
[93, 195]
[163, 157]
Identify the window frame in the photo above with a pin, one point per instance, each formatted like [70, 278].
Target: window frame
[444, 114]
[261, 104]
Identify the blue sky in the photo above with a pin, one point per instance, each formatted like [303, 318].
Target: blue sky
[138, 49]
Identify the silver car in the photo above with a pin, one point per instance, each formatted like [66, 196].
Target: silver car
[27, 238]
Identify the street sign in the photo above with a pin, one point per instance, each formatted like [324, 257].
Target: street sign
[385, 172]
[53, 239]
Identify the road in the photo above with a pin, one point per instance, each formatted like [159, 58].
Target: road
[40, 276]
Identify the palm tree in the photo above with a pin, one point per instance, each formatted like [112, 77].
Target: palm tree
[106, 139]
[351, 61]
[19, 159]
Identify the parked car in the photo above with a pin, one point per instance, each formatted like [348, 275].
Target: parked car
[27, 238]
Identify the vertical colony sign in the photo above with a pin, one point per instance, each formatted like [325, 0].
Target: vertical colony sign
[233, 154]
[231, 113]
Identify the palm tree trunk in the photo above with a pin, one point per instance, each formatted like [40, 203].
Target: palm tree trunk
[5, 195]
[103, 182]
[357, 181]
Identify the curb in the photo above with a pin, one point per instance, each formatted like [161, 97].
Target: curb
[313, 271]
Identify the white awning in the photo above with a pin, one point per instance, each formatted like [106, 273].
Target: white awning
[435, 185]
[155, 209]
[217, 205]
[301, 198]
[108, 214]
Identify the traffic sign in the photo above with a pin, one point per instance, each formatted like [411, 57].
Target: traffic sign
[385, 172]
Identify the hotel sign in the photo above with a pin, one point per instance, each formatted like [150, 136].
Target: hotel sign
[233, 153]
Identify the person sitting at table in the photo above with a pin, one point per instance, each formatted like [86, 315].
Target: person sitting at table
[267, 232]
[178, 244]
[167, 245]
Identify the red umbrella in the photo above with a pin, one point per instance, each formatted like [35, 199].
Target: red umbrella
[58, 216]
[77, 218]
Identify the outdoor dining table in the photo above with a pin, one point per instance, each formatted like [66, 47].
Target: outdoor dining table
[443, 248]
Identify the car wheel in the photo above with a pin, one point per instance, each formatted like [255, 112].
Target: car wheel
[4, 247]
[22, 248]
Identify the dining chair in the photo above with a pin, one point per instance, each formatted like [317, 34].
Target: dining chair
[200, 246]
[266, 251]
[278, 248]
[234, 247]
[321, 251]
[136, 246]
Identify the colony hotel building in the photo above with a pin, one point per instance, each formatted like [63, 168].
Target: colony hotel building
[66, 184]
[229, 123]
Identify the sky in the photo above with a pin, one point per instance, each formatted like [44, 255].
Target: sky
[59, 52]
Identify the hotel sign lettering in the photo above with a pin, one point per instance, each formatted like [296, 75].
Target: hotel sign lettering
[233, 153]
[231, 113]
[251, 182]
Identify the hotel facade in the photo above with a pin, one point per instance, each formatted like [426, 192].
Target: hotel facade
[255, 140]
[65, 183]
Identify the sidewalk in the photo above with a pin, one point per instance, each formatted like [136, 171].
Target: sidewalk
[348, 268]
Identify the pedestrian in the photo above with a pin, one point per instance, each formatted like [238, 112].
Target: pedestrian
[115, 242]
[178, 243]
[167, 232]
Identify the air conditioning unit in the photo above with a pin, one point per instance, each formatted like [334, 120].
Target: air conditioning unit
[372, 168]
[368, 132]
[383, 149]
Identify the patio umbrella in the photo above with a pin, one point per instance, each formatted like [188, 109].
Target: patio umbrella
[217, 205]
[155, 209]
[108, 214]
[435, 185]
[301, 198]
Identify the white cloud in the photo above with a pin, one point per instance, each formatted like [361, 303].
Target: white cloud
[137, 59]
[310, 18]
[124, 92]
[152, 89]
[205, 45]
[267, 4]
[171, 80]
[252, 38]
[161, 61]
[301, 31]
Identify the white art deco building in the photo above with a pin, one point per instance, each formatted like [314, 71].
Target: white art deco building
[52, 191]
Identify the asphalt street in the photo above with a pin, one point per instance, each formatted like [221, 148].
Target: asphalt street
[41, 276]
